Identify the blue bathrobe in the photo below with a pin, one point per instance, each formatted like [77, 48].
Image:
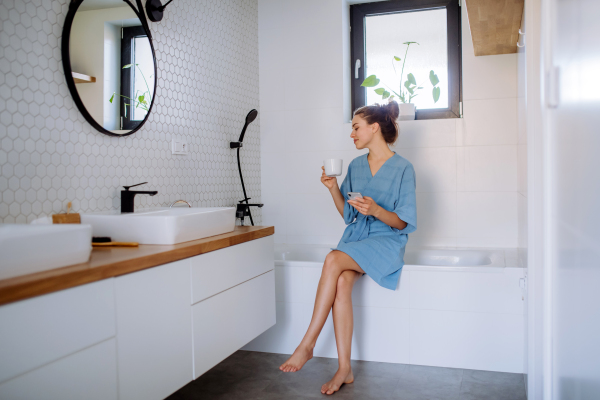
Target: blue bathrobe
[375, 246]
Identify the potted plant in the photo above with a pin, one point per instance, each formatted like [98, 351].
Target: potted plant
[408, 89]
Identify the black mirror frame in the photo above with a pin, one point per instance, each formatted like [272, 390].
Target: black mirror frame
[66, 61]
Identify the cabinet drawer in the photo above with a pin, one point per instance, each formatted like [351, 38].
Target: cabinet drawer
[37, 331]
[89, 374]
[154, 339]
[226, 322]
[222, 269]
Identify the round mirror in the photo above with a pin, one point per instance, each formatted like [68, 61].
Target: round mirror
[109, 64]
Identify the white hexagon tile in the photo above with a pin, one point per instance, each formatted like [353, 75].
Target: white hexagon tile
[207, 58]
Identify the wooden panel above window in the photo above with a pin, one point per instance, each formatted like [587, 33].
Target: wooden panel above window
[494, 25]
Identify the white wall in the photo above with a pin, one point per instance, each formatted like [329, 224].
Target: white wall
[467, 191]
[522, 164]
[207, 83]
[112, 76]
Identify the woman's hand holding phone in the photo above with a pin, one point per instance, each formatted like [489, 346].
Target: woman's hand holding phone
[328, 181]
[365, 205]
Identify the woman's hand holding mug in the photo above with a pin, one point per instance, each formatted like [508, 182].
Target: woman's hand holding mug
[328, 181]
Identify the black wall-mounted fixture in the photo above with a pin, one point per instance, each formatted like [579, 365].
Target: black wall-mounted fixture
[127, 197]
[155, 9]
[243, 209]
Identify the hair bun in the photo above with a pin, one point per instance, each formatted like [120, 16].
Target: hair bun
[392, 109]
[385, 115]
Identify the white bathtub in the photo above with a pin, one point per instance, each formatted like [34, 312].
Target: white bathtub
[459, 308]
[419, 259]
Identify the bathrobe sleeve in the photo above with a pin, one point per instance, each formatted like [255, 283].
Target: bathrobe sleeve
[406, 203]
[349, 211]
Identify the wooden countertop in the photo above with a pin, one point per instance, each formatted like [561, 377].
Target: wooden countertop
[109, 262]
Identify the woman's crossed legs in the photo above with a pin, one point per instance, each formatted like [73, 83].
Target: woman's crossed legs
[334, 291]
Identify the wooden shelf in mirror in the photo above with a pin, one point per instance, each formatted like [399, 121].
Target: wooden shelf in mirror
[82, 78]
[494, 25]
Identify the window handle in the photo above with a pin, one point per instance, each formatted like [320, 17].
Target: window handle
[356, 67]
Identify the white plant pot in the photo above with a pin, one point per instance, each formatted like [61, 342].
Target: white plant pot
[407, 111]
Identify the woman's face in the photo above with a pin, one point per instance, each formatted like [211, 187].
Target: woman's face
[362, 132]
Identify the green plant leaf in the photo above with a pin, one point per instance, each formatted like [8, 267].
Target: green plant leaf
[436, 94]
[370, 81]
[433, 78]
[380, 91]
[410, 90]
[111, 98]
[397, 58]
[386, 94]
[409, 43]
[391, 97]
[127, 66]
[411, 79]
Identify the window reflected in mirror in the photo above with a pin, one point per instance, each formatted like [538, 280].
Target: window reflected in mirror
[109, 46]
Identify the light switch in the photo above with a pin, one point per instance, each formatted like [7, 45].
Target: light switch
[179, 146]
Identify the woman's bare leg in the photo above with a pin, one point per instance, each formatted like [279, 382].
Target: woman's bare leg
[336, 262]
[343, 323]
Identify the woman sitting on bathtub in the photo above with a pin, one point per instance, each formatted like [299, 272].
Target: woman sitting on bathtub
[374, 240]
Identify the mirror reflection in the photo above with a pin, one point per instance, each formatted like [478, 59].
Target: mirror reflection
[112, 63]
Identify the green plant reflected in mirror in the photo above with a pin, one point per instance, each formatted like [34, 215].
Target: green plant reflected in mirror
[110, 65]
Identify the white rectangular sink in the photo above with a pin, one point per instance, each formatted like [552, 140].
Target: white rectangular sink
[162, 225]
[25, 249]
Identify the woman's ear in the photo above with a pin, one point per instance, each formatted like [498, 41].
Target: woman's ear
[374, 127]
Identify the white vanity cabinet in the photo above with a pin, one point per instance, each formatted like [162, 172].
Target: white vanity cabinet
[142, 335]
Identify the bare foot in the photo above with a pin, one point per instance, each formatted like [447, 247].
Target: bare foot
[297, 360]
[343, 375]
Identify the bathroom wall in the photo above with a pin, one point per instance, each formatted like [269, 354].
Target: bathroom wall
[467, 190]
[207, 56]
[522, 169]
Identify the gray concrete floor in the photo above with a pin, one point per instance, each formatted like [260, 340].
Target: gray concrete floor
[252, 376]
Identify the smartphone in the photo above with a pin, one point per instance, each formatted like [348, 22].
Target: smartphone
[354, 195]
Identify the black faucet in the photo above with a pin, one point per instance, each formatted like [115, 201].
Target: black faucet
[127, 197]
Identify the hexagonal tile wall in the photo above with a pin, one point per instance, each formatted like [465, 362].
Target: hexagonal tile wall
[207, 58]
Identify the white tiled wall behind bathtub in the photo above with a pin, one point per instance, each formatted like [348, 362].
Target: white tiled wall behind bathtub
[466, 168]
[207, 55]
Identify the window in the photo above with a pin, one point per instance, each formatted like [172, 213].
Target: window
[137, 76]
[397, 44]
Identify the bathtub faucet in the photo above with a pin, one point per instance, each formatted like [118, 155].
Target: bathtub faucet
[243, 210]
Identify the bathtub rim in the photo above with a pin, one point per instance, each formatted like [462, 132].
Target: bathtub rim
[501, 257]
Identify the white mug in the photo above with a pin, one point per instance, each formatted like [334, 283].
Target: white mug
[333, 166]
